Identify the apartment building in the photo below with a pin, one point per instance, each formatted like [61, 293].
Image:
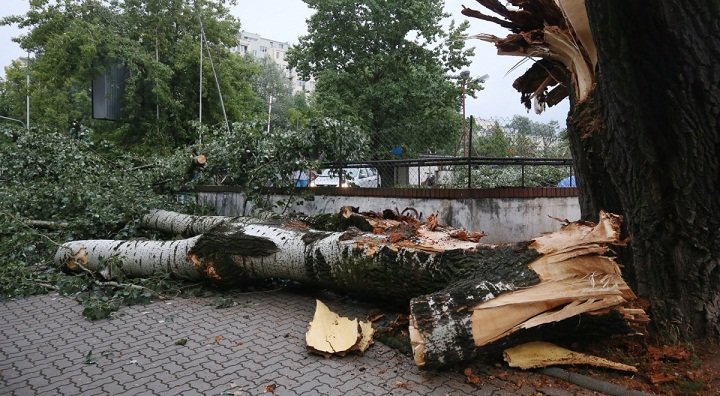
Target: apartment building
[261, 47]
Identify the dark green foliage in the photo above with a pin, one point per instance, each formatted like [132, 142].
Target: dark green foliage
[386, 66]
[251, 157]
[92, 187]
[157, 41]
[85, 191]
[17, 279]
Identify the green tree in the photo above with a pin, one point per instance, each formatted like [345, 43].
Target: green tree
[493, 143]
[534, 138]
[157, 42]
[289, 111]
[386, 66]
[12, 91]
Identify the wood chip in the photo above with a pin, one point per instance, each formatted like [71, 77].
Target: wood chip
[543, 354]
[331, 334]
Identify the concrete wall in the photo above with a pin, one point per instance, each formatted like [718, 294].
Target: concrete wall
[503, 219]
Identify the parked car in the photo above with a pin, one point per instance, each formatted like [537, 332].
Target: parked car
[351, 177]
[567, 182]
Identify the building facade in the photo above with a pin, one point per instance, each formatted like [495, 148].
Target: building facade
[260, 47]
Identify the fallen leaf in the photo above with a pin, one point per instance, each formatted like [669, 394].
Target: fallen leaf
[90, 358]
[270, 388]
[661, 378]
[395, 237]
[470, 377]
[432, 222]
[218, 339]
[503, 375]
[401, 385]
[181, 341]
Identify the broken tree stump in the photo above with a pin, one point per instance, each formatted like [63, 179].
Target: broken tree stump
[565, 274]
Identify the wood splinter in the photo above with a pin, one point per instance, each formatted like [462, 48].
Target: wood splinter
[331, 334]
[543, 354]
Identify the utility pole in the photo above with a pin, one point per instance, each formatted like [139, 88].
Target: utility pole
[27, 92]
[464, 77]
[201, 77]
[269, 112]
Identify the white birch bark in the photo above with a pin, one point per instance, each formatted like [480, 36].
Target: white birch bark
[132, 258]
[367, 264]
[181, 224]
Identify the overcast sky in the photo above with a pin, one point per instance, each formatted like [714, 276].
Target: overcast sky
[284, 20]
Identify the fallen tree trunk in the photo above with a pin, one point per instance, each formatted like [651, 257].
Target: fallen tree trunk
[570, 276]
[181, 224]
[466, 296]
[395, 267]
[174, 223]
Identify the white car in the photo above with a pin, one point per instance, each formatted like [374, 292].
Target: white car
[352, 177]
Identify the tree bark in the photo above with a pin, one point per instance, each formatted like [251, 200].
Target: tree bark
[661, 106]
[174, 223]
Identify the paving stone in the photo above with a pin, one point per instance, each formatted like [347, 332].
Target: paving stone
[39, 356]
[113, 388]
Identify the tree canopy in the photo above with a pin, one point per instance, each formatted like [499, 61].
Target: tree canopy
[388, 67]
[157, 42]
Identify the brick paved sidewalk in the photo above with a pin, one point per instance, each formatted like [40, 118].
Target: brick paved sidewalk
[44, 342]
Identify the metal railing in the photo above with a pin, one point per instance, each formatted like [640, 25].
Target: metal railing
[462, 172]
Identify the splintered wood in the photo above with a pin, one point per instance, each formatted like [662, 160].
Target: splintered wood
[542, 354]
[576, 279]
[331, 334]
[559, 33]
[563, 275]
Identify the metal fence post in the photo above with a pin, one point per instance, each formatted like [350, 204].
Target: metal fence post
[470, 138]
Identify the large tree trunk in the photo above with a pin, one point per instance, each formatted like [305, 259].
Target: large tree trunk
[658, 88]
[405, 263]
[645, 137]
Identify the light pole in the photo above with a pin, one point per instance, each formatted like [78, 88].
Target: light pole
[269, 112]
[27, 92]
[464, 77]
